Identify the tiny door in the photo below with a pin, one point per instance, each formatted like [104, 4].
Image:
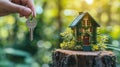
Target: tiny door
[86, 40]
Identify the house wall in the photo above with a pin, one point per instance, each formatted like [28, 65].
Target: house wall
[86, 24]
[94, 35]
[74, 32]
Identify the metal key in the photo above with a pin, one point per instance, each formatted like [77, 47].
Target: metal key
[31, 24]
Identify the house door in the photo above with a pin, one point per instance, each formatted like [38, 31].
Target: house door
[86, 40]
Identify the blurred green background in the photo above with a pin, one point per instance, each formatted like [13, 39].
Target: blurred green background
[53, 16]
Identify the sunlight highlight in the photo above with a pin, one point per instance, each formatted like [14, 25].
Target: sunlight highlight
[89, 1]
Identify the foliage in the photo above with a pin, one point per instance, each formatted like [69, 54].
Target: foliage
[101, 41]
[68, 39]
[95, 47]
[101, 45]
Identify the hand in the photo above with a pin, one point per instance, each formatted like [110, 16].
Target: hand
[23, 7]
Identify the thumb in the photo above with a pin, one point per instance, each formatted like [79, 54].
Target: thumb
[22, 10]
[25, 11]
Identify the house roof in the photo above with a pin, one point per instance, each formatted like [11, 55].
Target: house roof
[79, 18]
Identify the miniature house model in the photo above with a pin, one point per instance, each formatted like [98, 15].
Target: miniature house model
[84, 28]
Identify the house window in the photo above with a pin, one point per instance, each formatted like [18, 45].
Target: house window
[83, 23]
[91, 29]
[88, 23]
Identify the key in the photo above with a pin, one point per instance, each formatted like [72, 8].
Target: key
[31, 24]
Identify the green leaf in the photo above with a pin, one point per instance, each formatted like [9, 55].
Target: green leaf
[113, 48]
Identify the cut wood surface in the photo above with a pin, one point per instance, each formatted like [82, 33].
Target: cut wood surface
[95, 53]
[69, 58]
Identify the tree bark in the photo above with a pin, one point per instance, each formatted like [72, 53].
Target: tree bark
[68, 58]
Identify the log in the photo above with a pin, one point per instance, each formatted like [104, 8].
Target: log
[69, 58]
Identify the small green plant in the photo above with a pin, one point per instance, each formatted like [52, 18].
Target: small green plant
[68, 39]
[101, 43]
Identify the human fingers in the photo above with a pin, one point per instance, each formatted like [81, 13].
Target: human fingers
[12, 7]
[30, 4]
[3, 12]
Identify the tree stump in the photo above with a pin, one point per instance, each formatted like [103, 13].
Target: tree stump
[68, 58]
